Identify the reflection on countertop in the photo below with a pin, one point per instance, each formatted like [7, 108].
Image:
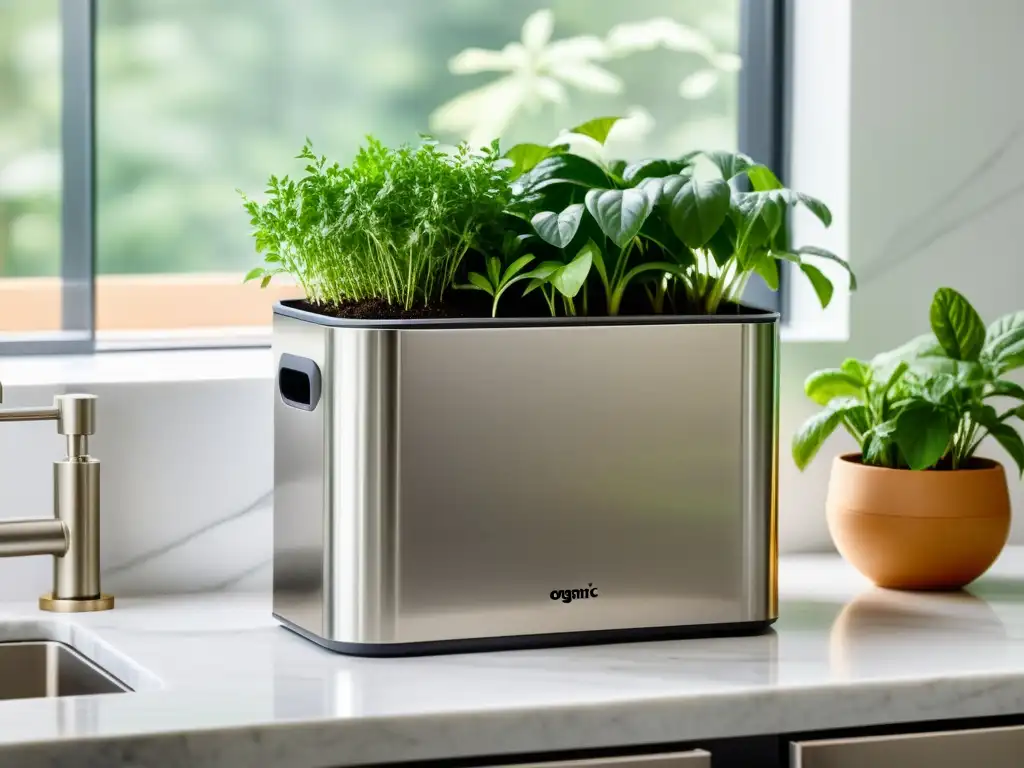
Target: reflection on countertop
[218, 681]
[901, 629]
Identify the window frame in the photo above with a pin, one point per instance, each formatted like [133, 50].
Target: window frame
[764, 35]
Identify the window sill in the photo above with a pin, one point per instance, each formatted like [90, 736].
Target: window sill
[138, 367]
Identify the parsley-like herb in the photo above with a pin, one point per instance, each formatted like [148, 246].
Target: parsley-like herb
[394, 225]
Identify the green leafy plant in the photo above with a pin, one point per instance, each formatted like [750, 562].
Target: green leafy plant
[692, 243]
[394, 225]
[590, 236]
[929, 403]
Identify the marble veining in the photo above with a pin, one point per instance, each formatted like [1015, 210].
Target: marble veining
[219, 683]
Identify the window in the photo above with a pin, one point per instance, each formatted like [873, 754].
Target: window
[153, 112]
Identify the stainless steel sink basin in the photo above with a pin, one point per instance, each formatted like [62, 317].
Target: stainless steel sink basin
[39, 669]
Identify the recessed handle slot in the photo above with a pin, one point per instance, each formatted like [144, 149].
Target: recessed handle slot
[298, 382]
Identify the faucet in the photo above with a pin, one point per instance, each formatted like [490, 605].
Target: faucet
[72, 535]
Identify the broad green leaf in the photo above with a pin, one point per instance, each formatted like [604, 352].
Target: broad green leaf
[1004, 332]
[254, 273]
[494, 271]
[650, 168]
[755, 215]
[1007, 324]
[984, 414]
[570, 278]
[923, 433]
[768, 269]
[957, 325]
[772, 217]
[619, 212]
[1011, 441]
[1004, 434]
[544, 270]
[815, 206]
[858, 370]
[894, 378]
[1007, 388]
[596, 129]
[793, 258]
[1004, 342]
[661, 189]
[877, 442]
[746, 209]
[524, 157]
[730, 164]
[516, 267]
[821, 284]
[821, 253]
[657, 230]
[817, 429]
[617, 167]
[939, 387]
[971, 372]
[762, 178]
[723, 243]
[925, 345]
[510, 278]
[540, 275]
[551, 195]
[858, 420]
[784, 196]
[481, 282]
[564, 169]
[826, 385]
[1012, 357]
[698, 209]
[558, 228]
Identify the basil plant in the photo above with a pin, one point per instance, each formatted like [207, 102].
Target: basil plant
[598, 236]
[929, 403]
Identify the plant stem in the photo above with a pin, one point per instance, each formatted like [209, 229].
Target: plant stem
[659, 296]
[549, 297]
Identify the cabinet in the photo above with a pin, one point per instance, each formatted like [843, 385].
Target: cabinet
[693, 759]
[988, 747]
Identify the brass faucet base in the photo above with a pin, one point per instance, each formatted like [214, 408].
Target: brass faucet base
[67, 605]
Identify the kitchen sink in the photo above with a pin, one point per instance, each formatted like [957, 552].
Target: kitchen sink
[40, 669]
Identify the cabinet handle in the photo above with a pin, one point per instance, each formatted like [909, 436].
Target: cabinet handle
[988, 747]
[696, 758]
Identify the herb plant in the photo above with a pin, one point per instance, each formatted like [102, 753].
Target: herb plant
[929, 403]
[691, 243]
[394, 225]
[588, 235]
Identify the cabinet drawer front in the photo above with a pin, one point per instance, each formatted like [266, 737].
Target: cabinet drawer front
[988, 747]
[697, 758]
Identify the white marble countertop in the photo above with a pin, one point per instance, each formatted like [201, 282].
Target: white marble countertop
[218, 682]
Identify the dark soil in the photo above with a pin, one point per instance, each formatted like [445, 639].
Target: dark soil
[944, 465]
[476, 304]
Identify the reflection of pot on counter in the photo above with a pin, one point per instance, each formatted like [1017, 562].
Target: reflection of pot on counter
[884, 630]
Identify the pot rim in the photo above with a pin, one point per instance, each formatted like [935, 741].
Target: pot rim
[982, 464]
[751, 315]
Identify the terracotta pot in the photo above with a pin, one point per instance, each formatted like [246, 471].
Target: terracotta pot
[918, 530]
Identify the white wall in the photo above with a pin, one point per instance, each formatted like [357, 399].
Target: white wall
[186, 476]
[935, 196]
